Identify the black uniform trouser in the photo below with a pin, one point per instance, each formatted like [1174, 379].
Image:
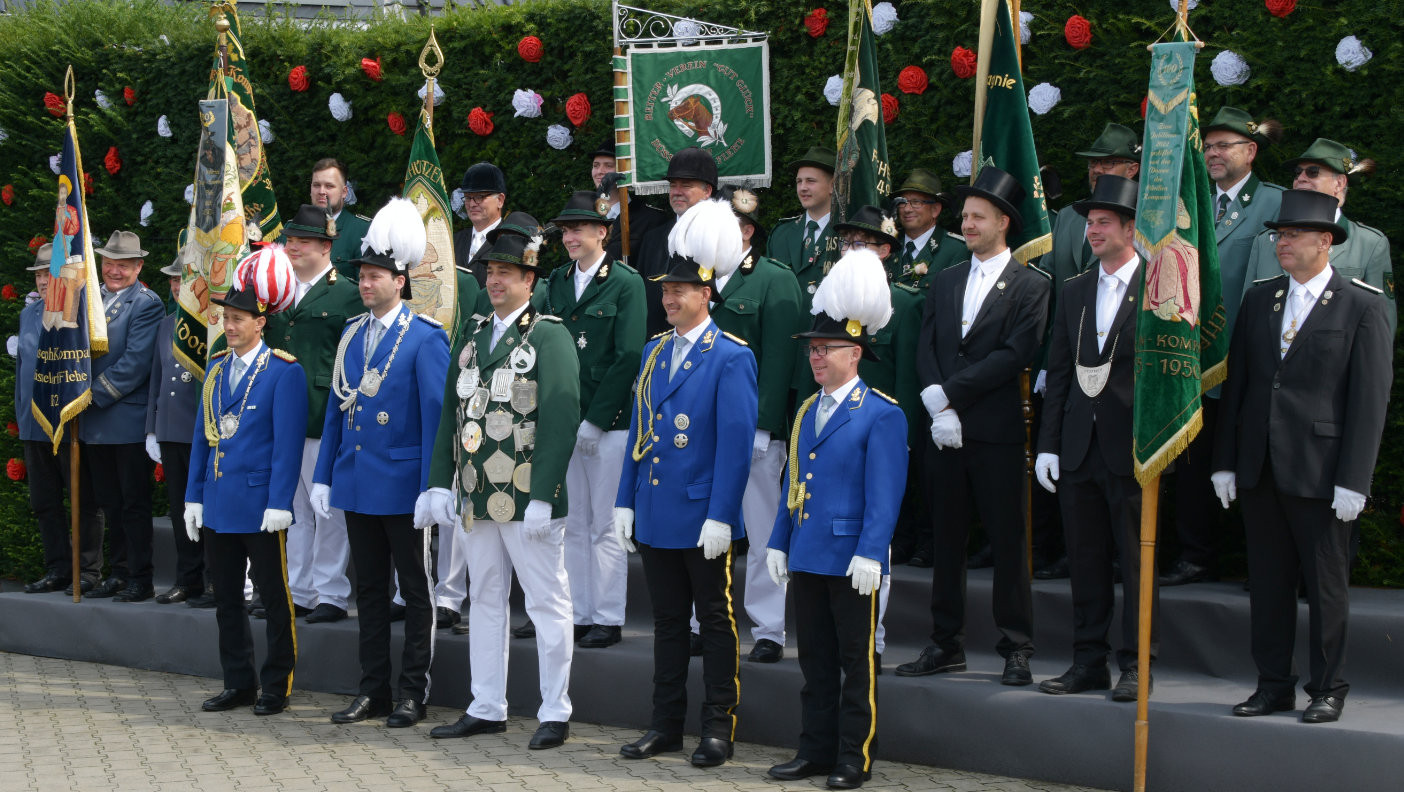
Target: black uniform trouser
[121, 476]
[988, 478]
[1291, 539]
[382, 545]
[680, 581]
[913, 531]
[835, 627]
[48, 477]
[266, 558]
[1048, 542]
[1197, 508]
[1102, 515]
[190, 556]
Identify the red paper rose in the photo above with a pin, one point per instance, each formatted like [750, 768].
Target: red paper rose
[129, 95]
[15, 469]
[817, 21]
[530, 49]
[963, 62]
[1281, 8]
[297, 78]
[8, 292]
[396, 123]
[371, 68]
[1144, 100]
[89, 184]
[159, 473]
[889, 108]
[113, 161]
[480, 121]
[7, 194]
[578, 109]
[1078, 32]
[912, 80]
[37, 242]
[55, 104]
[11, 428]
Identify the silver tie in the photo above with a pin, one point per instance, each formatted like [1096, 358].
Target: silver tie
[826, 408]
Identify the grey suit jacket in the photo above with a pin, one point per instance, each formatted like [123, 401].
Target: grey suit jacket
[118, 411]
[173, 396]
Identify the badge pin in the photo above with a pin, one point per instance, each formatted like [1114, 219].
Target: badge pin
[522, 360]
[501, 385]
[1277, 306]
[523, 396]
[680, 440]
[521, 477]
[1279, 294]
[499, 425]
[382, 417]
[500, 507]
[186, 376]
[1000, 285]
[524, 435]
[477, 405]
[498, 468]
[687, 364]
[682, 421]
[811, 288]
[468, 478]
[580, 342]
[472, 437]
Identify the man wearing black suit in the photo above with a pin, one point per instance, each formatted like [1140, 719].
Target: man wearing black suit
[1085, 442]
[642, 217]
[692, 176]
[982, 325]
[484, 196]
[1302, 415]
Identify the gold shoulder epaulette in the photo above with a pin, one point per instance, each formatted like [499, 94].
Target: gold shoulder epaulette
[1268, 280]
[431, 320]
[660, 335]
[883, 395]
[737, 339]
[285, 355]
[220, 353]
[1362, 284]
[351, 319]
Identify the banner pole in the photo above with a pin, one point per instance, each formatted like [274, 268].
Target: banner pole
[1150, 504]
[74, 496]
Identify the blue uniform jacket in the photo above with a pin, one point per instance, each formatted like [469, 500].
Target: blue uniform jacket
[375, 466]
[26, 359]
[118, 412]
[704, 424]
[258, 467]
[854, 473]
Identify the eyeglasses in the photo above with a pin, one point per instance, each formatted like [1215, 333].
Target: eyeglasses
[1311, 171]
[1223, 146]
[1290, 234]
[855, 244]
[823, 350]
[477, 197]
[917, 201]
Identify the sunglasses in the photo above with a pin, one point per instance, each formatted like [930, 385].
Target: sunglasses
[1311, 171]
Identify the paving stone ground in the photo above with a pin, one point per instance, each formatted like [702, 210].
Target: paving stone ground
[67, 725]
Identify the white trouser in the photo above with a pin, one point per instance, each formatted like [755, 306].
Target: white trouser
[493, 551]
[452, 568]
[597, 566]
[318, 552]
[765, 601]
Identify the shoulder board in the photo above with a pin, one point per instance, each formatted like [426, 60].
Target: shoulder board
[1362, 227]
[660, 335]
[1032, 268]
[775, 262]
[956, 237]
[1269, 280]
[431, 321]
[285, 355]
[220, 353]
[907, 287]
[883, 395]
[625, 267]
[351, 319]
[361, 216]
[737, 339]
[789, 219]
[1367, 287]
[1075, 277]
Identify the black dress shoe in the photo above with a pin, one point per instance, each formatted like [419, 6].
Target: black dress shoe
[933, 660]
[467, 726]
[712, 751]
[1323, 709]
[1054, 571]
[1077, 679]
[397, 612]
[765, 651]
[108, 587]
[47, 583]
[1129, 685]
[1265, 702]
[362, 708]
[1184, 572]
[653, 742]
[85, 584]
[601, 636]
[1016, 671]
[205, 600]
[846, 776]
[407, 713]
[550, 734]
[298, 610]
[527, 630]
[796, 769]
[461, 628]
[270, 704]
[445, 618]
[230, 698]
[984, 557]
[135, 592]
[176, 594]
[325, 613]
[921, 559]
[694, 645]
[581, 630]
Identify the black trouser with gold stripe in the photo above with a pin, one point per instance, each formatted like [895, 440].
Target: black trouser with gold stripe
[834, 628]
[680, 581]
[265, 557]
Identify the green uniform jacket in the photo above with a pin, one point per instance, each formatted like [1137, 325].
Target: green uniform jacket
[895, 373]
[351, 228]
[1363, 256]
[607, 328]
[1242, 222]
[761, 305]
[942, 250]
[556, 415]
[311, 331]
[1071, 256]
[786, 245]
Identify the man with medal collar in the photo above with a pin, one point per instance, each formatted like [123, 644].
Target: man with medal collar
[601, 303]
[691, 432]
[843, 490]
[322, 302]
[1303, 413]
[247, 447]
[1084, 444]
[374, 460]
[498, 481]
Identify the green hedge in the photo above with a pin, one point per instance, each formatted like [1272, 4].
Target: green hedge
[163, 52]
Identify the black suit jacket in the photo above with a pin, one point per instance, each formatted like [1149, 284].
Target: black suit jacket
[1318, 413]
[1066, 429]
[642, 218]
[477, 266]
[652, 261]
[980, 372]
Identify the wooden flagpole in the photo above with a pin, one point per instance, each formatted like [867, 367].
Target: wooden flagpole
[74, 494]
[1150, 504]
[622, 136]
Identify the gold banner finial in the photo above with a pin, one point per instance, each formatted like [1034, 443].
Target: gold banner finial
[68, 89]
[431, 48]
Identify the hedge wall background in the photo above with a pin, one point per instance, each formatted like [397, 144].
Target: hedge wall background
[163, 52]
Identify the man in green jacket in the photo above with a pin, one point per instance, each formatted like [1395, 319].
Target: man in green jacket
[330, 191]
[924, 248]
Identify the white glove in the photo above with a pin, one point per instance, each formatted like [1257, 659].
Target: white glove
[275, 520]
[536, 522]
[1046, 468]
[194, 517]
[587, 439]
[321, 500]
[760, 445]
[777, 562]
[933, 398]
[1347, 504]
[1225, 486]
[945, 429]
[423, 514]
[715, 539]
[624, 528]
[153, 448]
[439, 508]
[866, 574]
[1041, 384]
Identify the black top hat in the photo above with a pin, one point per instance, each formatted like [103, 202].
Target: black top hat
[685, 269]
[870, 219]
[245, 299]
[1309, 209]
[1115, 193]
[311, 222]
[584, 206]
[387, 262]
[511, 248]
[484, 177]
[744, 204]
[825, 326]
[821, 157]
[693, 163]
[515, 224]
[606, 149]
[1001, 189]
[925, 182]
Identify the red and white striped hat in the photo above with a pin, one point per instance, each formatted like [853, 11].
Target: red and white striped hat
[271, 276]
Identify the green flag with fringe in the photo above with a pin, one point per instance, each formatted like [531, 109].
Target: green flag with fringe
[862, 174]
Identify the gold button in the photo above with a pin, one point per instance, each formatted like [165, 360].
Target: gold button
[809, 475]
[808, 495]
[655, 438]
[660, 417]
[358, 448]
[811, 455]
[655, 482]
[655, 460]
[806, 516]
[574, 318]
[324, 313]
[358, 428]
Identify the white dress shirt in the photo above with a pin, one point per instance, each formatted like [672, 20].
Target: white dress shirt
[983, 275]
[1111, 291]
[1301, 298]
[500, 325]
[683, 342]
[582, 279]
[480, 238]
[305, 286]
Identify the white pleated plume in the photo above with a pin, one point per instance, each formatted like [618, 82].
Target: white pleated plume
[708, 234]
[856, 290]
[397, 231]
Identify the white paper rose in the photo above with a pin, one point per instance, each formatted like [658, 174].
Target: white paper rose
[190, 194]
[456, 203]
[101, 99]
[961, 164]
[350, 193]
[54, 163]
[1229, 68]
[163, 127]
[438, 92]
[1351, 54]
[558, 137]
[1043, 97]
[833, 89]
[146, 211]
[884, 18]
[685, 31]
[526, 103]
[265, 131]
[340, 107]
[1024, 33]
